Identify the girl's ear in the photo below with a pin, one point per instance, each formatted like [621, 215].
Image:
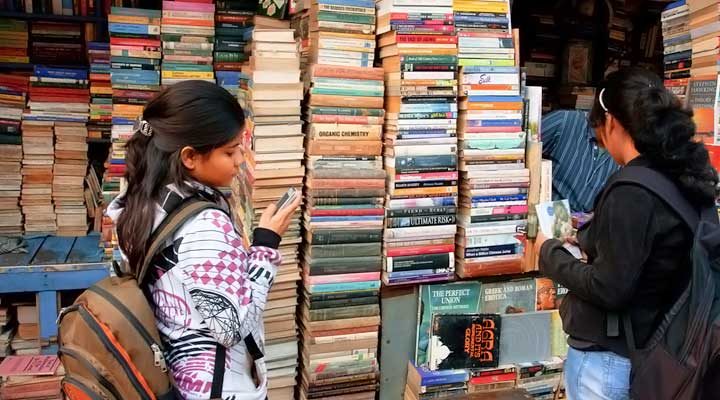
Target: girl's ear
[188, 156]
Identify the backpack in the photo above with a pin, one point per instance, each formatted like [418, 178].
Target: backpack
[108, 341]
[681, 360]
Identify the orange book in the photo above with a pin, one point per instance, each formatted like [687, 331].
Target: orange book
[188, 22]
[442, 190]
[324, 100]
[329, 71]
[341, 148]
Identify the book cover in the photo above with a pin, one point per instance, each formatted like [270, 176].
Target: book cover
[29, 366]
[273, 8]
[701, 98]
[464, 341]
[450, 298]
[555, 221]
[509, 297]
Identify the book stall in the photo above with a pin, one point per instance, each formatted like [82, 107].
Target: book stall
[413, 128]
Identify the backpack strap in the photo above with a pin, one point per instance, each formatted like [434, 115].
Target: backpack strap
[181, 214]
[218, 372]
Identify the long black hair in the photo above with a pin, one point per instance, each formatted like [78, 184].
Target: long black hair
[193, 113]
[661, 128]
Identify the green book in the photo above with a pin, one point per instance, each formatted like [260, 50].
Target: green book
[447, 298]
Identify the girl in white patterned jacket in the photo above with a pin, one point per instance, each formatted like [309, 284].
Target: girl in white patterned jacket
[208, 286]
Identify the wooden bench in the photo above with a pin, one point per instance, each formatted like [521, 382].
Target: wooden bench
[52, 264]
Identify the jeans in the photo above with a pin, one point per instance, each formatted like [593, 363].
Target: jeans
[596, 375]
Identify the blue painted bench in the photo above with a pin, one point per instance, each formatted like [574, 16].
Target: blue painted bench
[52, 264]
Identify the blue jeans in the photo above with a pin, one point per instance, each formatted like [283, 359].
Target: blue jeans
[596, 375]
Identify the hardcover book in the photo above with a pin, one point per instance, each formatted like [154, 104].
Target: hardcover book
[464, 341]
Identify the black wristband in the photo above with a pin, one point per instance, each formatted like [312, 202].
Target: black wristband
[266, 238]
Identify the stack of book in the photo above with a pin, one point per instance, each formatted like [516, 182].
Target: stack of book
[345, 186]
[70, 169]
[14, 90]
[232, 21]
[37, 176]
[188, 35]
[419, 56]
[677, 44]
[100, 123]
[27, 338]
[275, 93]
[31, 378]
[704, 31]
[494, 179]
[57, 43]
[425, 384]
[14, 41]
[135, 77]
[58, 94]
[343, 227]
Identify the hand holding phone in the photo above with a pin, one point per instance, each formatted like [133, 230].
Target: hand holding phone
[286, 199]
[277, 216]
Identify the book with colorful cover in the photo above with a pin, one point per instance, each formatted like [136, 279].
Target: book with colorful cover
[451, 298]
[464, 341]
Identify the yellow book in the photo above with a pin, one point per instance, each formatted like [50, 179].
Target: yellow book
[187, 75]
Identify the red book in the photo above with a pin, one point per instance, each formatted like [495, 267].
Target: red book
[116, 41]
[418, 250]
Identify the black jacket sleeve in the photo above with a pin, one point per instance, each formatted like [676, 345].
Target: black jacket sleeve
[622, 241]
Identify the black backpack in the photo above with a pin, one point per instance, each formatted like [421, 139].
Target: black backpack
[681, 360]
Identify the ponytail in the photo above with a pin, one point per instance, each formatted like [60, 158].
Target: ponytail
[662, 130]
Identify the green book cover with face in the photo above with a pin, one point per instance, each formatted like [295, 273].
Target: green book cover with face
[448, 298]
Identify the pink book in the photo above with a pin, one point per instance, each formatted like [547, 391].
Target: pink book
[343, 278]
[187, 6]
[29, 366]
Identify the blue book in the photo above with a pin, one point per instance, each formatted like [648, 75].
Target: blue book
[675, 5]
[488, 199]
[440, 377]
[63, 73]
[678, 56]
[344, 287]
[134, 29]
[495, 99]
[476, 69]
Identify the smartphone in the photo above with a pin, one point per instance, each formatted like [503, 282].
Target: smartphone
[287, 198]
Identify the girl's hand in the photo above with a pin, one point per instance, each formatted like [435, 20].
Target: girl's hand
[539, 240]
[279, 221]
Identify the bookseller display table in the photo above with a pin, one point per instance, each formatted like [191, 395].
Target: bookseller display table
[52, 264]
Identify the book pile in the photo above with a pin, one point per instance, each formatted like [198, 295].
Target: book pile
[274, 96]
[494, 179]
[704, 31]
[188, 35]
[70, 169]
[14, 41]
[232, 21]
[678, 47]
[100, 123]
[56, 43]
[135, 77]
[37, 177]
[425, 384]
[343, 223]
[31, 378]
[27, 337]
[419, 55]
[13, 89]
[58, 94]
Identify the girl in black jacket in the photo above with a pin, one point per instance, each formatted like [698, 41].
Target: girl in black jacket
[637, 247]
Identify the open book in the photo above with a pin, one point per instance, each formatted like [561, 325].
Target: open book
[555, 222]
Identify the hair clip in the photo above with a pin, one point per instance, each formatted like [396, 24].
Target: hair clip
[142, 126]
[602, 103]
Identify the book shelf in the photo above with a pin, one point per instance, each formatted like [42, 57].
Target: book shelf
[52, 17]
